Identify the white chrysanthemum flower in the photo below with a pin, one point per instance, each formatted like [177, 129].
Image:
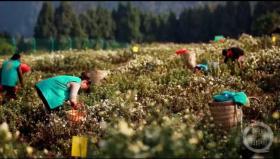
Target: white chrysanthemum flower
[4, 127]
[276, 115]
[211, 145]
[200, 134]
[193, 141]
[8, 135]
[175, 136]
[103, 125]
[134, 148]
[124, 129]
[186, 116]
[17, 134]
[29, 150]
[102, 143]
[46, 151]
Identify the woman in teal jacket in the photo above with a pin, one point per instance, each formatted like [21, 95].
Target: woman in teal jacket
[10, 75]
[56, 90]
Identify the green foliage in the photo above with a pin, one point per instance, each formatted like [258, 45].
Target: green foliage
[154, 141]
[128, 24]
[127, 19]
[183, 25]
[171, 28]
[262, 8]
[122, 57]
[5, 47]
[149, 106]
[9, 147]
[66, 23]
[243, 18]
[98, 23]
[89, 23]
[266, 23]
[77, 30]
[148, 27]
[45, 22]
[106, 24]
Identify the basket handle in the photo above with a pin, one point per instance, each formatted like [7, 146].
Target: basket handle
[259, 101]
[72, 116]
[256, 98]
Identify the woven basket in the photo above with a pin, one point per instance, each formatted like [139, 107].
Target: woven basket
[98, 75]
[75, 115]
[1, 93]
[189, 60]
[226, 114]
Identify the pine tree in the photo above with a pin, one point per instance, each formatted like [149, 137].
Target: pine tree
[206, 24]
[265, 24]
[264, 7]
[184, 21]
[127, 20]
[196, 25]
[243, 18]
[264, 12]
[76, 31]
[84, 22]
[63, 20]
[147, 28]
[232, 21]
[172, 27]
[105, 22]
[45, 23]
[161, 29]
[91, 25]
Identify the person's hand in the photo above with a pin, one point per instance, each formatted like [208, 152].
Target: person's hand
[75, 106]
[78, 106]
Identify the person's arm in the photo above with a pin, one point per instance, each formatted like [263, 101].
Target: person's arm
[73, 98]
[20, 76]
[241, 61]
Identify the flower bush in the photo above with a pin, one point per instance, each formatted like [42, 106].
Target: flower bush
[150, 106]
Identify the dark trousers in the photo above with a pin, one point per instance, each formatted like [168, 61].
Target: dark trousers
[10, 93]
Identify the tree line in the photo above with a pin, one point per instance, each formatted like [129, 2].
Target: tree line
[128, 24]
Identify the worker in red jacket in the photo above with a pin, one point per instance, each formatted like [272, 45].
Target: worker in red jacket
[234, 54]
